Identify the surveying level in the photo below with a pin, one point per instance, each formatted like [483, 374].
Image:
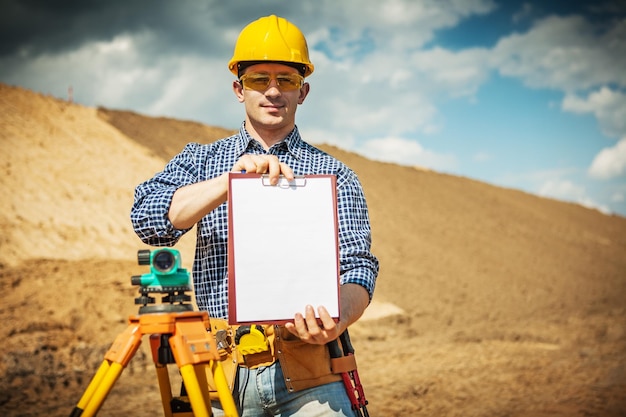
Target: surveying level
[165, 270]
[166, 277]
[178, 334]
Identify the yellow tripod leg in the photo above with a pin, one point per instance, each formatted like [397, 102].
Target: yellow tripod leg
[194, 392]
[102, 390]
[201, 372]
[91, 388]
[116, 358]
[223, 391]
[165, 388]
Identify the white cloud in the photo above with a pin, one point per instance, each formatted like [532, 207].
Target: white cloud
[117, 74]
[192, 90]
[454, 74]
[368, 100]
[561, 188]
[100, 72]
[316, 135]
[395, 25]
[610, 162]
[373, 80]
[568, 191]
[406, 152]
[565, 53]
[524, 13]
[607, 105]
[572, 55]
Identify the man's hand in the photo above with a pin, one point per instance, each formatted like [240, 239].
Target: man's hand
[309, 330]
[354, 301]
[264, 164]
[187, 209]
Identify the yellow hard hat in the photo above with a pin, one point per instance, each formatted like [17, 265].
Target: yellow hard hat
[271, 38]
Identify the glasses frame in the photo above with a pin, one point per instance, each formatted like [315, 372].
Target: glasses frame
[287, 78]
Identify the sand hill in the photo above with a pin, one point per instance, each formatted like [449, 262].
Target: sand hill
[490, 302]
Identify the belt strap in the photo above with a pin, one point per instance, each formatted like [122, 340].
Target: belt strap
[343, 364]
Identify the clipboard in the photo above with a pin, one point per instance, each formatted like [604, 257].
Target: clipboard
[283, 249]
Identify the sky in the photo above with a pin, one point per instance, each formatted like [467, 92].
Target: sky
[529, 95]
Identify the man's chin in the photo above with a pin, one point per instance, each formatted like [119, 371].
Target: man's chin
[273, 120]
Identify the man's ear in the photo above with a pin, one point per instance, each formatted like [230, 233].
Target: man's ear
[304, 91]
[238, 90]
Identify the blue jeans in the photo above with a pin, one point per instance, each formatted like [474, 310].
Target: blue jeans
[262, 392]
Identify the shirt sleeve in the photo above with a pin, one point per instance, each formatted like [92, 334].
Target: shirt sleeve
[149, 214]
[357, 263]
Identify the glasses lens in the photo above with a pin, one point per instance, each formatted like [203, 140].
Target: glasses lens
[289, 82]
[261, 82]
[258, 82]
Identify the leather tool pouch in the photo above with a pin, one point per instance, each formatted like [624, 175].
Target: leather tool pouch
[304, 365]
[224, 336]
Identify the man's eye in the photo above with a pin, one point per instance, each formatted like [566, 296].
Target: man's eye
[286, 81]
[260, 80]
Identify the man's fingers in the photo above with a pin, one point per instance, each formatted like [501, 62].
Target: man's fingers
[245, 163]
[307, 327]
[311, 322]
[261, 163]
[273, 170]
[287, 171]
[264, 164]
[299, 326]
[327, 321]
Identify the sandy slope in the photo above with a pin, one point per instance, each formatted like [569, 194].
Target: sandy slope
[490, 302]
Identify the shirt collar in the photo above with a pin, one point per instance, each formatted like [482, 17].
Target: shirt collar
[292, 141]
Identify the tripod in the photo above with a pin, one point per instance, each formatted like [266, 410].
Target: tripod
[184, 333]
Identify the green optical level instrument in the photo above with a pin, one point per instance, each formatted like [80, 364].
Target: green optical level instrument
[165, 270]
[166, 276]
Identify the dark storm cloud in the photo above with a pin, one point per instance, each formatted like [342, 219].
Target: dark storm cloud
[33, 27]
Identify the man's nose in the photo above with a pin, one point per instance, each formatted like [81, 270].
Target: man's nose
[272, 88]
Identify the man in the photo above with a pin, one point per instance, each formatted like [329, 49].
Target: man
[271, 61]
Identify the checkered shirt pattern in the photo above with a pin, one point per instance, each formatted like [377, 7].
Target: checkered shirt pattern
[149, 214]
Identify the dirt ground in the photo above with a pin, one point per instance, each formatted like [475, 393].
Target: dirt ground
[490, 301]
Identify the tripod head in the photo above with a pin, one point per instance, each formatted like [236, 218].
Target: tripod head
[166, 277]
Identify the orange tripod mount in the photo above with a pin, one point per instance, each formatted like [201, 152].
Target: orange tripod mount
[193, 350]
[178, 334]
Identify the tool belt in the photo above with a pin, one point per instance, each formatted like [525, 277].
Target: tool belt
[304, 365]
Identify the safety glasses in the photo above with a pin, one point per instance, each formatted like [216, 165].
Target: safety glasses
[260, 82]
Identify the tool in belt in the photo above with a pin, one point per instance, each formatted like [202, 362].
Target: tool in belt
[344, 362]
[251, 339]
[253, 346]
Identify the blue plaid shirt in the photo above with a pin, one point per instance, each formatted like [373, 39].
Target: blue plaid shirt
[149, 214]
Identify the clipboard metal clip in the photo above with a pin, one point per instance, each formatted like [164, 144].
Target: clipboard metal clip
[299, 181]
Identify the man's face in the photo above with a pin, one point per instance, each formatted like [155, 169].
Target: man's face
[272, 108]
